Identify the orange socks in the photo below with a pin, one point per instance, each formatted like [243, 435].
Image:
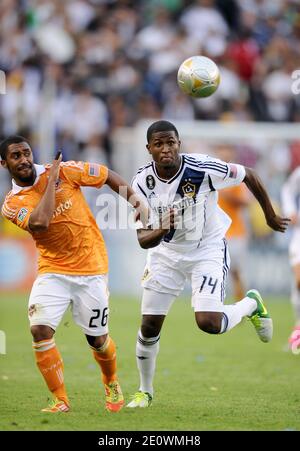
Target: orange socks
[50, 364]
[107, 359]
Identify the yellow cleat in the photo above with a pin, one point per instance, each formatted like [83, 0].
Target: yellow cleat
[114, 397]
[140, 399]
[57, 406]
[261, 319]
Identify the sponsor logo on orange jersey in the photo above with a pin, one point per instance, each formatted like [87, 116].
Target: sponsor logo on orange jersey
[62, 207]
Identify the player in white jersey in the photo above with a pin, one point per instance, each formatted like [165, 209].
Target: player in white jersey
[291, 207]
[186, 241]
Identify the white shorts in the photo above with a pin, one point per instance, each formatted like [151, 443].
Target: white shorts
[166, 272]
[294, 249]
[51, 295]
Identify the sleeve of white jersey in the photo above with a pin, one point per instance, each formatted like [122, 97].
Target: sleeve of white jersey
[289, 194]
[137, 188]
[222, 174]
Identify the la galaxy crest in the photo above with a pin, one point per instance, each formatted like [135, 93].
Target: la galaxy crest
[189, 189]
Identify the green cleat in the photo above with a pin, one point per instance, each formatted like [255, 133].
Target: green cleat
[140, 399]
[260, 318]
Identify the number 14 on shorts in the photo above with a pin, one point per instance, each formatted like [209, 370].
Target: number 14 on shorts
[208, 282]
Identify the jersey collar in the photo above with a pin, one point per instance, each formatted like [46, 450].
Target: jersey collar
[174, 176]
[40, 169]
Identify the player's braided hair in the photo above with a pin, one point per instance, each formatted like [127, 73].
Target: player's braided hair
[161, 126]
[14, 139]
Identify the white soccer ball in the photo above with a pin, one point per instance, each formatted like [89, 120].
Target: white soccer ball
[198, 76]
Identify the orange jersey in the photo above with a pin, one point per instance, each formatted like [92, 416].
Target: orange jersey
[73, 243]
[239, 192]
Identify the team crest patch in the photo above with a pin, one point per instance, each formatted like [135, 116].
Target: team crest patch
[189, 189]
[22, 214]
[145, 275]
[94, 170]
[150, 182]
[32, 309]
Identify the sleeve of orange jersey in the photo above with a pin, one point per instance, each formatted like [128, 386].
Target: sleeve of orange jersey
[17, 212]
[80, 173]
[240, 192]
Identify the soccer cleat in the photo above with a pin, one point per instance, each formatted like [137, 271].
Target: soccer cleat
[294, 341]
[260, 318]
[140, 399]
[57, 406]
[114, 397]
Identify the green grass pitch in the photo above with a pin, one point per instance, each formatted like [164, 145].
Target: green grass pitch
[203, 382]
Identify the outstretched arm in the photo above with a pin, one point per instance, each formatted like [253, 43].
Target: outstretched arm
[256, 187]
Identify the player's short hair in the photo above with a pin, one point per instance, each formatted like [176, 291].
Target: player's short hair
[161, 126]
[14, 139]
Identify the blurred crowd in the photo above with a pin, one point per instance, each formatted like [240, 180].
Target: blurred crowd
[86, 67]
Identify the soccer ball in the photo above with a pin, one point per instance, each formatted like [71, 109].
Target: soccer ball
[198, 76]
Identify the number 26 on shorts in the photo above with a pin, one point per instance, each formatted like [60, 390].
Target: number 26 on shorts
[97, 315]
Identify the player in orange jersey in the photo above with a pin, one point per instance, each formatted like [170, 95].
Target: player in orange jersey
[72, 268]
[233, 201]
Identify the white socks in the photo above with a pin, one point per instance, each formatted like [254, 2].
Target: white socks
[234, 313]
[146, 353]
[147, 348]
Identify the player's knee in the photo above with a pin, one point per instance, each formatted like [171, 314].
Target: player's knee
[151, 325]
[150, 330]
[96, 342]
[209, 322]
[298, 284]
[40, 333]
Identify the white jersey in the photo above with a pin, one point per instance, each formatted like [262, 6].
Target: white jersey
[193, 192]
